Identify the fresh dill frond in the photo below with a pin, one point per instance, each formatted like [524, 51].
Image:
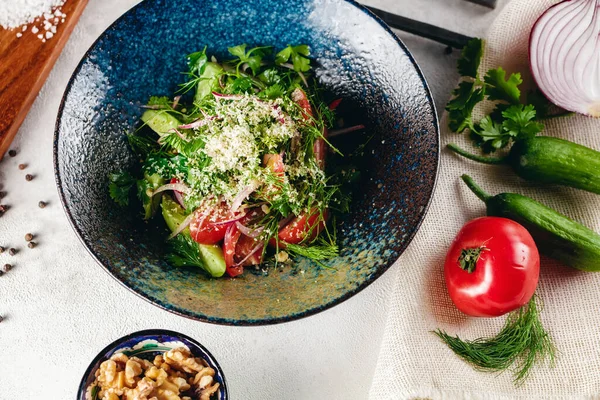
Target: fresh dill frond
[141, 145]
[317, 252]
[522, 342]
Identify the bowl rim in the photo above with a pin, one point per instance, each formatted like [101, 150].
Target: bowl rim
[146, 332]
[268, 320]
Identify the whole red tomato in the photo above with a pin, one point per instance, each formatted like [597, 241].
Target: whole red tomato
[492, 267]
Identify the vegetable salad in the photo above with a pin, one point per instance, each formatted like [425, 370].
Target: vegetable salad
[235, 163]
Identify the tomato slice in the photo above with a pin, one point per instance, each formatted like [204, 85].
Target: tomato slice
[248, 251]
[208, 227]
[299, 97]
[320, 146]
[232, 236]
[306, 226]
[240, 251]
[275, 163]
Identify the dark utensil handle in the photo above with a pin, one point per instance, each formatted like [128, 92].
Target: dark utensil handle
[487, 3]
[441, 35]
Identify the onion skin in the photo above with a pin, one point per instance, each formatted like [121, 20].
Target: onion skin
[564, 55]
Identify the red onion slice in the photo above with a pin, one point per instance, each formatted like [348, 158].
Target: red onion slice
[179, 187]
[227, 96]
[186, 222]
[343, 131]
[197, 123]
[243, 195]
[179, 198]
[253, 233]
[564, 53]
[175, 102]
[230, 221]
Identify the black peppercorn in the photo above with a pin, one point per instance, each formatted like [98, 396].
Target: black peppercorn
[28, 177]
[31, 245]
[3, 208]
[22, 166]
[1, 318]
[12, 153]
[12, 251]
[42, 204]
[29, 237]
[2, 249]
[6, 268]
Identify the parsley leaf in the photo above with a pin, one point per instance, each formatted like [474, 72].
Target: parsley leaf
[252, 57]
[197, 62]
[500, 88]
[519, 122]
[119, 187]
[460, 108]
[471, 55]
[184, 252]
[298, 56]
[274, 91]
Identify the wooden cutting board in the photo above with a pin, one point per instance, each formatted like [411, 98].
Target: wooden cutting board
[25, 63]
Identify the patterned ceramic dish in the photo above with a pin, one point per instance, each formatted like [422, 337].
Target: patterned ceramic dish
[357, 57]
[147, 344]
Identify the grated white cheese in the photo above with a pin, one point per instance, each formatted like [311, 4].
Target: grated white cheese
[42, 14]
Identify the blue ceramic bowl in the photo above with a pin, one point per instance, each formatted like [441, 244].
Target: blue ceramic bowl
[149, 352]
[357, 57]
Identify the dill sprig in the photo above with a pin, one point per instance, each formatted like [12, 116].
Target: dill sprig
[521, 343]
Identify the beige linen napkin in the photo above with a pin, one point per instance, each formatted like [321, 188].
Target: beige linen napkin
[413, 363]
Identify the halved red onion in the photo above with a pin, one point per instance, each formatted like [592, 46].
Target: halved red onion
[186, 222]
[180, 187]
[343, 131]
[243, 195]
[253, 233]
[564, 54]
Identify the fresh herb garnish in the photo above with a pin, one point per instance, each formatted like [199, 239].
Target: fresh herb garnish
[184, 252]
[94, 392]
[521, 343]
[298, 55]
[119, 187]
[509, 121]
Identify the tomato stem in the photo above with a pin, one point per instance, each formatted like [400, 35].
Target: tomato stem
[468, 258]
[474, 157]
[475, 188]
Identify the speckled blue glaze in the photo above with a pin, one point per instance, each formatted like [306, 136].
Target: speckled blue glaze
[356, 57]
[161, 336]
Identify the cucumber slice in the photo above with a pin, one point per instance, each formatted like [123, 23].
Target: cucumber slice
[160, 121]
[213, 259]
[150, 203]
[209, 81]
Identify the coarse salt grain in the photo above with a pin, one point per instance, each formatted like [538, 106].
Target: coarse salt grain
[44, 14]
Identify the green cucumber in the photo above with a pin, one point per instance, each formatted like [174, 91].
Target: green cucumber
[556, 235]
[549, 160]
[209, 81]
[145, 188]
[213, 259]
[160, 121]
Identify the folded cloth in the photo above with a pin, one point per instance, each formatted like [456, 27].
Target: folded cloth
[413, 363]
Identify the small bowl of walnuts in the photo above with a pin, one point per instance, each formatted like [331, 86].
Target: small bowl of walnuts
[154, 365]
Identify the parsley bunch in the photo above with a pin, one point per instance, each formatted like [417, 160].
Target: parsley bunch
[509, 121]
